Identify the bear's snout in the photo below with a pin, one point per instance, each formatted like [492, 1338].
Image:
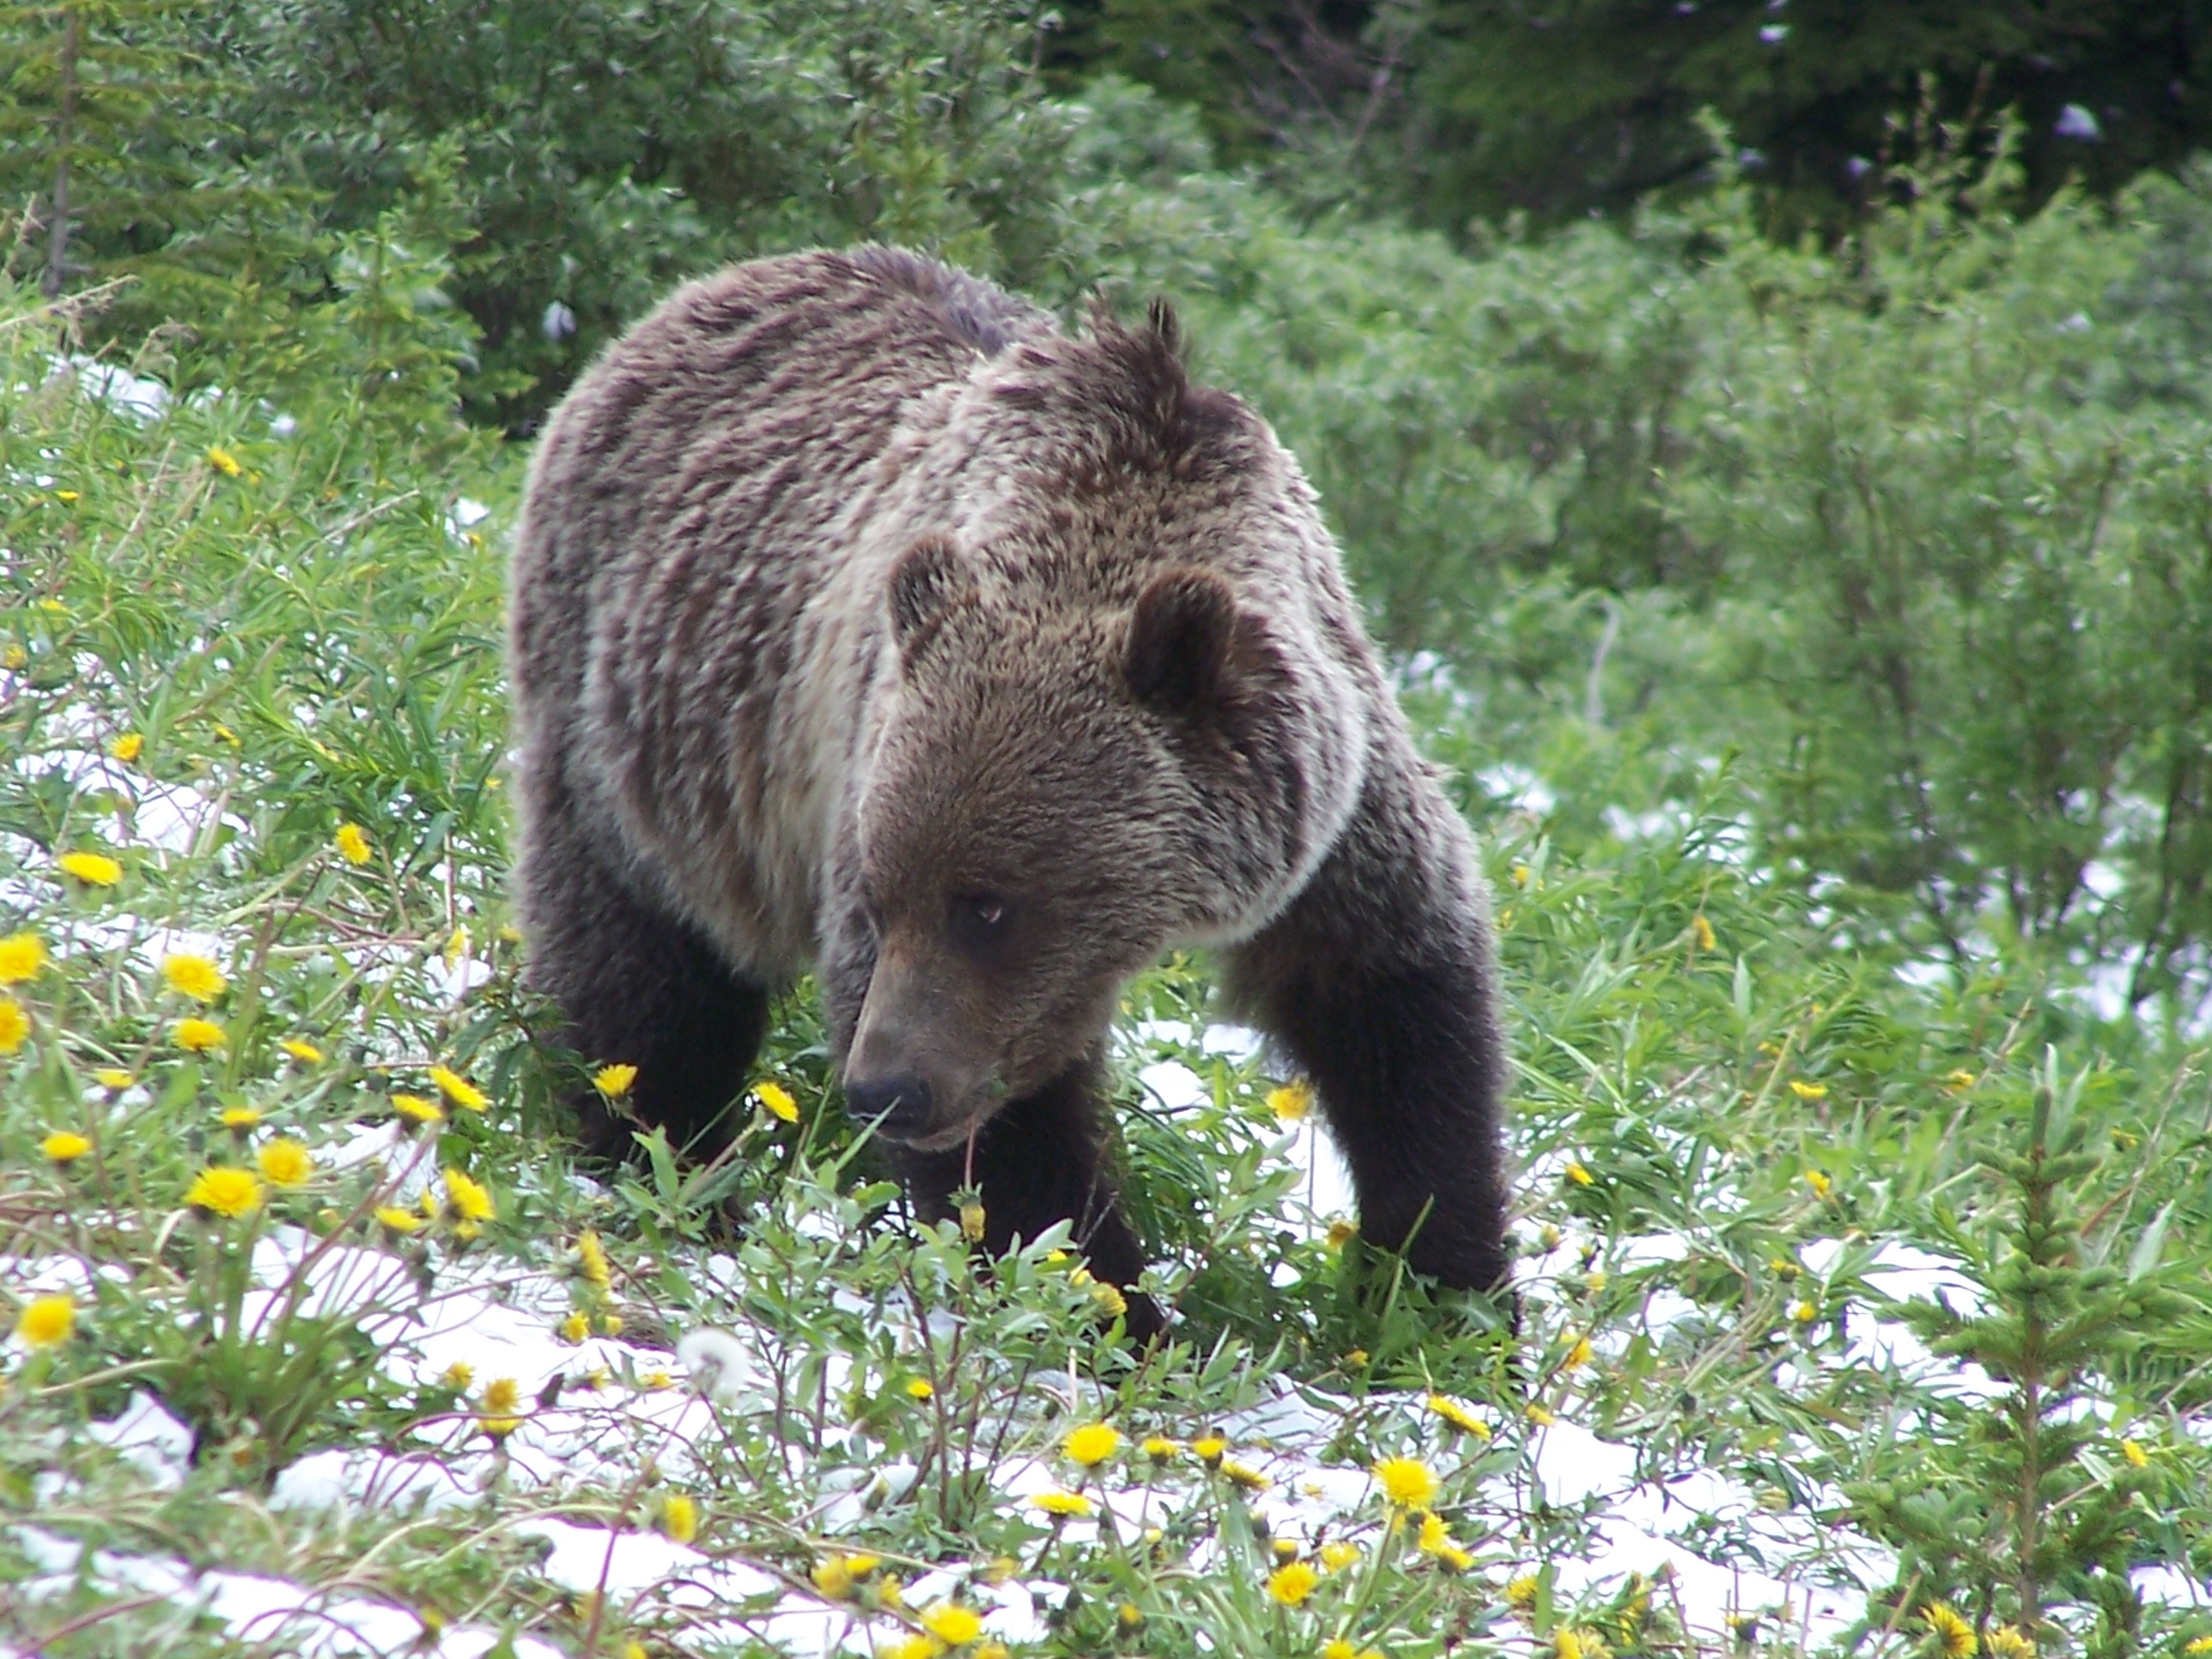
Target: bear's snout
[898, 1105]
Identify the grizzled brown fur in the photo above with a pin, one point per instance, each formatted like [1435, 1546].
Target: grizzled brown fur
[863, 619]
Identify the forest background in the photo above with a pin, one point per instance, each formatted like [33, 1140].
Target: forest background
[1770, 438]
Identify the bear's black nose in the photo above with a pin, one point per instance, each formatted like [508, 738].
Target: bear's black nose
[897, 1105]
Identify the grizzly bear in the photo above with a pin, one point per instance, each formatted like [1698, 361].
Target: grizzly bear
[863, 619]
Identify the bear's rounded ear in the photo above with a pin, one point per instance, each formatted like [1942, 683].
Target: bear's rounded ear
[1181, 637]
[929, 579]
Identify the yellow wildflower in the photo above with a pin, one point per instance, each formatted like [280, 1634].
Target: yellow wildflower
[592, 1262]
[1702, 931]
[1453, 1556]
[1405, 1481]
[918, 1388]
[302, 1050]
[502, 1395]
[1250, 1480]
[14, 656]
[1284, 1549]
[66, 495]
[1342, 1231]
[1091, 1445]
[457, 1376]
[353, 845]
[655, 1382]
[609, 1324]
[1960, 1081]
[285, 1163]
[1520, 1593]
[1565, 1645]
[972, 1222]
[64, 1147]
[1580, 1354]
[1061, 1502]
[198, 1036]
[1578, 1173]
[457, 1089]
[1954, 1637]
[2197, 1645]
[1356, 1359]
[467, 1198]
[914, 1647]
[220, 1190]
[92, 869]
[952, 1624]
[398, 1220]
[1339, 1555]
[1291, 1584]
[777, 1101]
[1209, 1448]
[1805, 1090]
[224, 462]
[1129, 1615]
[14, 1025]
[1459, 1417]
[614, 1081]
[239, 1119]
[21, 956]
[1159, 1448]
[679, 1518]
[1820, 1183]
[2010, 1642]
[1539, 1415]
[457, 947]
[834, 1576]
[46, 1320]
[1291, 1102]
[1804, 1313]
[416, 1110]
[1109, 1299]
[2134, 1453]
[112, 1077]
[575, 1327]
[1435, 1535]
[496, 1429]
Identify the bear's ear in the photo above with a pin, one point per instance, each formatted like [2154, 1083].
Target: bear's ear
[929, 579]
[1181, 638]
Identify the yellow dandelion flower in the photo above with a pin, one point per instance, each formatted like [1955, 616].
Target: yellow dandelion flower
[239, 1119]
[1091, 1445]
[1458, 1416]
[1960, 1081]
[609, 1324]
[1129, 1616]
[1356, 1359]
[1580, 1355]
[285, 1162]
[1339, 1555]
[1000, 1651]
[592, 1262]
[2010, 1642]
[397, 1219]
[1539, 1415]
[655, 1382]
[457, 1376]
[1566, 1644]
[92, 869]
[1407, 1482]
[496, 1429]
[1284, 1549]
[919, 1388]
[127, 748]
[1453, 1556]
[302, 1050]
[1578, 1173]
[224, 462]
[1239, 1475]
[353, 845]
[222, 1190]
[634, 1651]
[1820, 1183]
[22, 957]
[1159, 1448]
[197, 1036]
[46, 1320]
[416, 1109]
[1209, 1448]
[952, 1624]
[2197, 1645]
[457, 1089]
[457, 946]
[835, 1576]
[1342, 1231]
[2134, 1453]
[1291, 1102]
[467, 1198]
[1804, 1313]
[575, 1327]
[1593, 1282]
[914, 1647]
[1702, 931]
[1805, 1090]
[1520, 1593]
[66, 495]
[502, 1396]
[1061, 1502]
[1109, 1299]
[777, 1101]
[679, 1518]
[14, 656]
[614, 1081]
[112, 1077]
[64, 1146]
[1954, 1637]
[1291, 1584]
[972, 1222]
[14, 1025]
[1435, 1535]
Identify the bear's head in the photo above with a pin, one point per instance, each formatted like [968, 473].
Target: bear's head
[1061, 788]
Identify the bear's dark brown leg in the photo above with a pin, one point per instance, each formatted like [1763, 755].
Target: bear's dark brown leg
[636, 989]
[1039, 1160]
[1378, 982]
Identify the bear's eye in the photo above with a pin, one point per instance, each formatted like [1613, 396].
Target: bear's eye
[981, 919]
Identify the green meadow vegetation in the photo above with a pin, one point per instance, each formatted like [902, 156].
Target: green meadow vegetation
[1815, 630]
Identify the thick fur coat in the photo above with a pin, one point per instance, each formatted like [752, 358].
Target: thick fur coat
[864, 620]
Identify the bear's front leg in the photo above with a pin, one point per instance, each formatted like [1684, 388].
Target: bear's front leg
[1380, 983]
